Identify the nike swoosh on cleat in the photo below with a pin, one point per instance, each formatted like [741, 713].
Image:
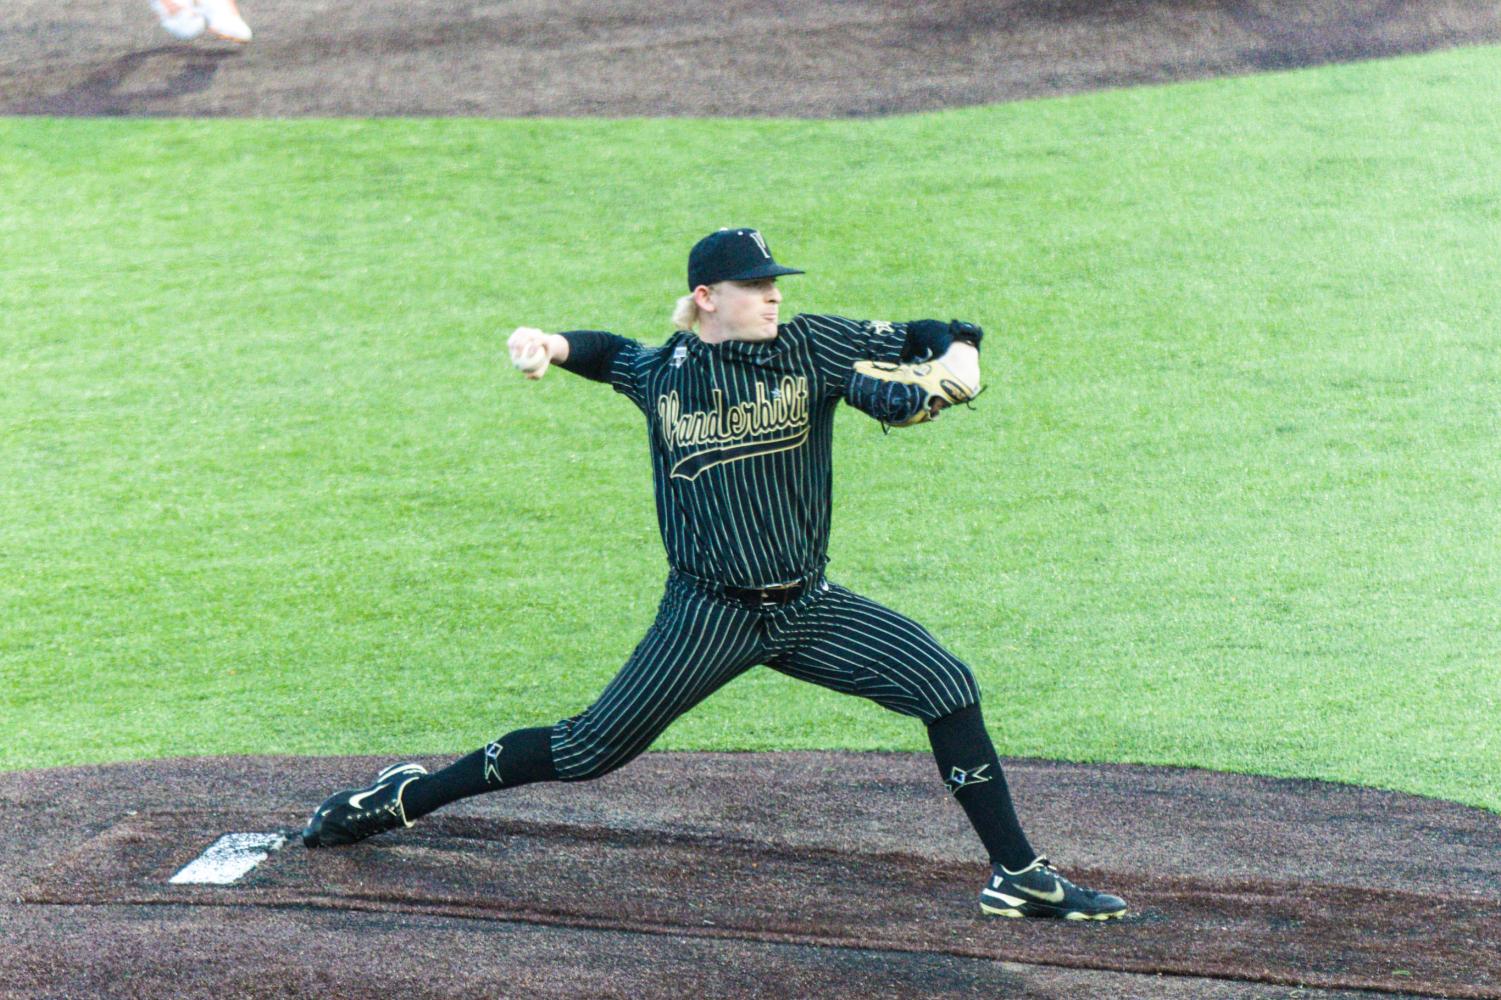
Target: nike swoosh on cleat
[356, 799]
[1008, 900]
[1056, 896]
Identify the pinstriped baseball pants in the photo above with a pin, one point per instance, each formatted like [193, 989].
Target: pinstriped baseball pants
[699, 642]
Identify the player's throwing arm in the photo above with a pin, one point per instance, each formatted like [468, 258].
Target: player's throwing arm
[533, 351]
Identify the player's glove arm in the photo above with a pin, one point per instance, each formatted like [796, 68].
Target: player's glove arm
[898, 373]
[892, 403]
[590, 353]
[929, 376]
[901, 394]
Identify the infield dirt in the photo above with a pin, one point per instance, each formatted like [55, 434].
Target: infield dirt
[791, 874]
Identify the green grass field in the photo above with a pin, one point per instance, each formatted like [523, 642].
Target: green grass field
[1233, 499]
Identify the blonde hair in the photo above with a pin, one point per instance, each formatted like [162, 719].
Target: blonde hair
[685, 313]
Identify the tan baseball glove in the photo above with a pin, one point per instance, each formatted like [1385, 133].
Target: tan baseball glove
[942, 382]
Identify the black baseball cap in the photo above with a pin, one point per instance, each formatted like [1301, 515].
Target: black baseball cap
[732, 255]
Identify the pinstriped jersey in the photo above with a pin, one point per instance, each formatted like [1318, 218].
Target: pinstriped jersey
[740, 438]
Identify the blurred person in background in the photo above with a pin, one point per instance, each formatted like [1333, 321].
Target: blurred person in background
[185, 20]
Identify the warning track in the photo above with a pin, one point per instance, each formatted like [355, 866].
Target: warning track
[808, 874]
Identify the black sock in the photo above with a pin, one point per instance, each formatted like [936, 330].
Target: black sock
[972, 771]
[517, 758]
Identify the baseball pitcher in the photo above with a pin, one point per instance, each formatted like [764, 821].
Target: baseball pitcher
[740, 411]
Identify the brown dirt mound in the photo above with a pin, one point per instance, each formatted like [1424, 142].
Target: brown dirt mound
[820, 58]
[790, 874]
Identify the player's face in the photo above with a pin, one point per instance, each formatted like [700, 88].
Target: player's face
[747, 310]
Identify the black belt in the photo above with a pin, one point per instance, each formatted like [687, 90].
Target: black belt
[766, 595]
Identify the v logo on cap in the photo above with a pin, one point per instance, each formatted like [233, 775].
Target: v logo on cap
[732, 255]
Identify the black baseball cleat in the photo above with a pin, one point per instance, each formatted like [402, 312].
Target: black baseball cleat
[351, 816]
[1039, 890]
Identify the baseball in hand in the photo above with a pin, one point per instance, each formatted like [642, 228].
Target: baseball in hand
[528, 347]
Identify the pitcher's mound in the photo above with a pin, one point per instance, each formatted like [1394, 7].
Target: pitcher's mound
[783, 874]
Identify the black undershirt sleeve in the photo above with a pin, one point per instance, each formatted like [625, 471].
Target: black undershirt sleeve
[590, 353]
[930, 338]
[926, 338]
